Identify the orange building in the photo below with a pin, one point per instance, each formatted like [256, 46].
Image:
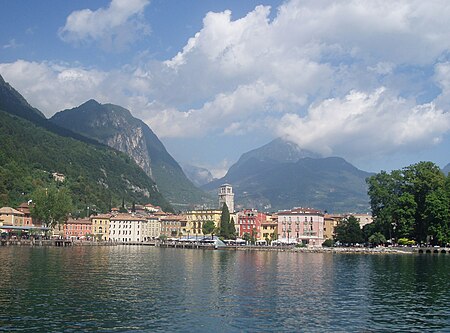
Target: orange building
[77, 228]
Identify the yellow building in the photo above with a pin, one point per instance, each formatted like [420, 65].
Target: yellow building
[330, 223]
[11, 216]
[196, 218]
[269, 229]
[100, 227]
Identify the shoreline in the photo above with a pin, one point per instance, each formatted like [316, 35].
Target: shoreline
[334, 250]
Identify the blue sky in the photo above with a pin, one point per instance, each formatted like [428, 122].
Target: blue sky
[365, 80]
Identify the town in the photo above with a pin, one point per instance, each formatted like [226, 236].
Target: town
[145, 223]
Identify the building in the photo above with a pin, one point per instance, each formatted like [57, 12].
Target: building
[226, 196]
[196, 218]
[249, 222]
[301, 225]
[171, 225]
[100, 226]
[127, 228]
[330, 223]
[269, 229]
[77, 228]
[153, 227]
[363, 219]
[152, 209]
[11, 216]
[58, 177]
[27, 219]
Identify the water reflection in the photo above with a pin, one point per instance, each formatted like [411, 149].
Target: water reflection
[152, 289]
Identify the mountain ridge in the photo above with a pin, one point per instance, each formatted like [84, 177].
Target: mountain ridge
[116, 127]
[274, 177]
[32, 149]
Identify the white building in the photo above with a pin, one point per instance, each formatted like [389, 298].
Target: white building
[127, 228]
[226, 195]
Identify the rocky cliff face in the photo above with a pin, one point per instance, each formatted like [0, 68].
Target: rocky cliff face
[115, 126]
[131, 141]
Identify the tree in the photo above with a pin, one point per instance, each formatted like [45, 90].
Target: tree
[437, 215]
[208, 228]
[328, 243]
[412, 203]
[377, 239]
[349, 231]
[51, 206]
[422, 179]
[226, 229]
[253, 234]
[232, 230]
[122, 208]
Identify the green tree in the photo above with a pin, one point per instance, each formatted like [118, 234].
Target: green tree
[437, 217]
[377, 239]
[349, 231]
[232, 230]
[412, 203]
[383, 189]
[404, 216]
[51, 206]
[422, 179]
[273, 236]
[226, 229]
[208, 228]
[246, 237]
[328, 243]
[253, 235]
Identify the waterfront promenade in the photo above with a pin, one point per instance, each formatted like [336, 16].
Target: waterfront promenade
[337, 250]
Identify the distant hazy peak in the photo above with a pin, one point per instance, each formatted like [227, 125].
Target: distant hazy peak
[279, 150]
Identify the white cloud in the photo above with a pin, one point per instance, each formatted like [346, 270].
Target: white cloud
[113, 27]
[52, 87]
[365, 124]
[316, 67]
[12, 44]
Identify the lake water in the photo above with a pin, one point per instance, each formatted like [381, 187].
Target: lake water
[146, 289]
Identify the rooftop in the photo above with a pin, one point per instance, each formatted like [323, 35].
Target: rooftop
[10, 211]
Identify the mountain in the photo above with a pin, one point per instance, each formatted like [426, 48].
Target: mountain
[197, 175]
[446, 169]
[32, 149]
[280, 175]
[114, 126]
[13, 103]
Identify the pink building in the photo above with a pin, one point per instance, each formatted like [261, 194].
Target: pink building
[77, 228]
[249, 220]
[301, 225]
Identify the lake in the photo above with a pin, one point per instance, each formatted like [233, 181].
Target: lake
[147, 289]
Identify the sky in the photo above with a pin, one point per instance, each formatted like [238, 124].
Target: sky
[365, 80]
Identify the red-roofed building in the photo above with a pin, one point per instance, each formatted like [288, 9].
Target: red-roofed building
[25, 209]
[249, 221]
[77, 228]
[302, 225]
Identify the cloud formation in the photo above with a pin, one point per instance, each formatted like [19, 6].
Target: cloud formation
[373, 123]
[114, 27]
[344, 77]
